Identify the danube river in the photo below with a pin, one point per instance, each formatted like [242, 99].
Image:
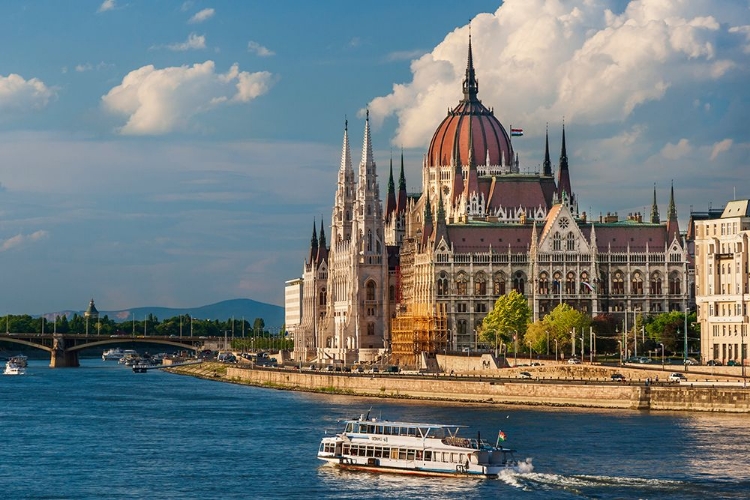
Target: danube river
[102, 431]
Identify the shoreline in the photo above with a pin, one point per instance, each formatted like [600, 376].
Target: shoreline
[583, 393]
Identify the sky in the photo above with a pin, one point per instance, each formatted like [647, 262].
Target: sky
[177, 154]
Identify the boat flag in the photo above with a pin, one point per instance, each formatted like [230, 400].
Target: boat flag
[516, 132]
[500, 437]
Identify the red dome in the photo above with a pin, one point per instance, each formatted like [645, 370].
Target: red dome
[470, 124]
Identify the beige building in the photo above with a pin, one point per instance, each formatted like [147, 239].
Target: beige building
[722, 263]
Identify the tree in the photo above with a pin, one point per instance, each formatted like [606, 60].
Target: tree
[561, 321]
[536, 337]
[509, 316]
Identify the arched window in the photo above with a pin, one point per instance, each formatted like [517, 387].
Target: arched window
[557, 283]
[498, 284]
[480, 284]
[556, 242]
[543, 283]
[655, 283]
[370, 328]
[370, 290]
[461, 281]
[322, 297]
[674, 283]
[518, 283]
[369, 240]
[570, 283]
[461, 327]
[636, 284]
[585, 285]
[570, 243]
[442, 284]
[618, 283]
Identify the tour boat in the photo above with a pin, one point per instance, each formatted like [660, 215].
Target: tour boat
[414, 448]
[115, 354]
[20, 360]
[12, 368]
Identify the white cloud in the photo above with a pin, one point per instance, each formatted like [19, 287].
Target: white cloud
[201, 16]
[259, 49]
[107, 5]
[19, 93]
[21, 240]
[159, 101]
[720, 147]
[587, 60]
[404, 55]
[193, 42]
[676, 151]
[743, 30]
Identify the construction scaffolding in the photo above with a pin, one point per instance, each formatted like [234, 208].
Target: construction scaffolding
[416, 329]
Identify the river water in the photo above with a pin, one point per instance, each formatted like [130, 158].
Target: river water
[102, 431]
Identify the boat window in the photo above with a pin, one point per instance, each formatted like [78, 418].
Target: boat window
[378, 453]
[402, 454]
[349, 427]
[419, 455]
[387, 430]
[454, 457]
[412, 431]
[421, 431]
[410, 454]
[394, 453]
[371, 429]
[321, 447]
[446, 456]
[427, 455]
[346, 449]
[370, 451]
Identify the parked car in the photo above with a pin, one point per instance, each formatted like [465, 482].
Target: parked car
[359, 369]
[644, 360]
[574, 361]
[524, 375]
[691, 362]
[677, 377]
[374, 369]
[617, 377]
[732, 362]
[713, 362]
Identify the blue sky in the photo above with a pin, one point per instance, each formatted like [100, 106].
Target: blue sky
[176, 153]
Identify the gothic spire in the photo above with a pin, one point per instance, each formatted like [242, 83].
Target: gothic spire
[322, 240]
[471, 84]
[672, 213]
[401, 201]
[313, 245]
[346, 157]
[563, 174]
[654, 209]
[390, 203]
[547, 166]
[367, 145]
[427, 227]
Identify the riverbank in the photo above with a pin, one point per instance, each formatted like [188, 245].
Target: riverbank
[588, 391]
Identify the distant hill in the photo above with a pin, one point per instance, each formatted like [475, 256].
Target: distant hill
[273, 316]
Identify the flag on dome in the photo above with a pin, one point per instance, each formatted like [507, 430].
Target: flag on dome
[516, 132]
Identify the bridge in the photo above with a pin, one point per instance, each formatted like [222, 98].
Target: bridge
[64, 347]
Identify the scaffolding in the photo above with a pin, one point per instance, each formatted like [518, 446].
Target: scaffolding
[416, 329]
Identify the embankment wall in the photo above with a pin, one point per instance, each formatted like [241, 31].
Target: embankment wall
[498, 391]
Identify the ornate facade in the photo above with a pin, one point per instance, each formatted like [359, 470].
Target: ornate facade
[425, 272]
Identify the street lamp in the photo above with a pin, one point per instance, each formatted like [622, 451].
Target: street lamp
[515, 349]
[555, 350]
[662, 356]
[619, 350]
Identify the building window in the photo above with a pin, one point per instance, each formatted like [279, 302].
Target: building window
[461, 327]
[570, 284]
[674, 284]
[570, 244]
[556, 242]
[498, 284]
[655, 283]
[518, 283]
[557, 283]
[370, 290]
[543, 283]
[480, 284]
[618, 283]
[442, 285]
[322, 297]
[461, 281]
[370, 328]
[585, 285]
[636, 284]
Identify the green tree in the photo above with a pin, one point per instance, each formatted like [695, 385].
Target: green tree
[560, 323]
[509, 316]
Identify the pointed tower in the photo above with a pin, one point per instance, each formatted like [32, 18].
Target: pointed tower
[401, 200]
[564, 191]
[654, 210]
[673, 227]
[343, 208]
[390, 198]
[322, 245]
[441, 231]
[547, 166]
[427, 226]
[313, 246]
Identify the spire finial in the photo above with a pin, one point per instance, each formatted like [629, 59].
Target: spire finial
[654, 209]
[471, 84]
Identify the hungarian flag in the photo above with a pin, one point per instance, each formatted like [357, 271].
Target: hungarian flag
[500, 437]
[516, 132]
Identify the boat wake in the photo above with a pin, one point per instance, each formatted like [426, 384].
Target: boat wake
[524, 478]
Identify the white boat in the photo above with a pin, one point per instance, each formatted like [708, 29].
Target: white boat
[115, 354]
[20, 360]
[12, 368]
[128, 356]
[414, 448]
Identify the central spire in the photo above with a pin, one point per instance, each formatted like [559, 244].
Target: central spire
[471, 84]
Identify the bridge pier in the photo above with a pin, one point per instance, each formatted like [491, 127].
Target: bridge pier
[60, 357]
